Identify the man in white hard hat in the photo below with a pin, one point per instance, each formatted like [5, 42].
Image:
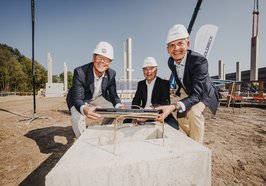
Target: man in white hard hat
[195, 88]
[153, 91]
[93, 85]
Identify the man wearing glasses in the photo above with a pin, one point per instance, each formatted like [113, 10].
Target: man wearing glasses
[93, 85]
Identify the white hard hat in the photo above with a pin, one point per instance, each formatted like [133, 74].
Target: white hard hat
[178, 31]
[149, 62]
[105, 49]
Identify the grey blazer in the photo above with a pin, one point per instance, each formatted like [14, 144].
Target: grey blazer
[83, 87]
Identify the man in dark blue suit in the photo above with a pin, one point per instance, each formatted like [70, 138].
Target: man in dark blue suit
[153, 91]
[195, 90]
[93, 85]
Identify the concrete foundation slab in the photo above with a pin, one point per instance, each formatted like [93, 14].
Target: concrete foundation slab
[138, 156]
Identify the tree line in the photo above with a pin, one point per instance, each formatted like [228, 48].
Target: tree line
[16, 72]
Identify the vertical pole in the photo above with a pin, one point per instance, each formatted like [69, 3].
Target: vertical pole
[238, 72]
[252, 37]
[254, 43]
[33, 65]
[220, 70]
[65, 78]
[257, 12]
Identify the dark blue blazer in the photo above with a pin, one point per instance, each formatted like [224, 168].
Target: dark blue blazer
[83, 86]
[197, 82]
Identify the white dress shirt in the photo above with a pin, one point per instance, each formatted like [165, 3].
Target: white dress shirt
[149, 91]
[180, 69]
[97, 89]
[97, 85]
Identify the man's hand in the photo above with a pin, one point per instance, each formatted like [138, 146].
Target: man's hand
[120, 106]
[89, 113]
[166, 110]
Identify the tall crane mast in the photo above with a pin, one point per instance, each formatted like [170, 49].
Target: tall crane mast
[194, 16]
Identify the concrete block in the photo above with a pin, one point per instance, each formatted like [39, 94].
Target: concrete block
[139, 155]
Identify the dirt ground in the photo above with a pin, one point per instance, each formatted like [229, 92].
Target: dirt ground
[28, 152]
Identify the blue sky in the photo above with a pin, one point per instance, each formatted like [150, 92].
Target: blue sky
[70, 30]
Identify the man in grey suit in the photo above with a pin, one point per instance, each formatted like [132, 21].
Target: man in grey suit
[93, 85]
[195, 89]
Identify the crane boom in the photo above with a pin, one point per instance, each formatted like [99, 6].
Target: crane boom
[194, 16]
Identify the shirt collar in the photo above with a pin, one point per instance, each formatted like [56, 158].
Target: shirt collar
[96, 77]
[152, 82]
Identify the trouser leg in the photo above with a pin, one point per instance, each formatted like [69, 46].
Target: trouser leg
[192, 121]
[183, 122]
[78, 122]
[196, 122]
[182, 117]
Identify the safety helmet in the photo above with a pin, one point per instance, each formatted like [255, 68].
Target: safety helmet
[149, 62]
[105, 49]
[178, 31]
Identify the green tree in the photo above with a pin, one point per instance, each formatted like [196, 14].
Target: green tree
[7, 63]
[69, 78]
[40, 75]
[17, 78]
[26, 68]
[16, 71]
[56, 79]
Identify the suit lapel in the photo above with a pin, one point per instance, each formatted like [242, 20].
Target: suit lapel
[90, 78]
[186, 71]
[145, 96]
[104, 82]
[153, 95]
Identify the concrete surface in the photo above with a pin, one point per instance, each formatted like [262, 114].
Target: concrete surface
[138, 156]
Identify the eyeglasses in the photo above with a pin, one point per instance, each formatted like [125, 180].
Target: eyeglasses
[99, 58]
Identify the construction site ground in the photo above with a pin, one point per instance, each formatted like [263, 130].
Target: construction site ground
[236, 137]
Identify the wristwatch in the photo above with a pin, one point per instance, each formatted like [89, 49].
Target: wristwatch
[177, 107]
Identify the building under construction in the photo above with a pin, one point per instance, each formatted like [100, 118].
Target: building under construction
[245, 76]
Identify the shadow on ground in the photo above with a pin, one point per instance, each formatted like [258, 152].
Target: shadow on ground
[45, 140]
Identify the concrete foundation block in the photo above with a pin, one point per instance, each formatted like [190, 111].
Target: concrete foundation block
[139, 155]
